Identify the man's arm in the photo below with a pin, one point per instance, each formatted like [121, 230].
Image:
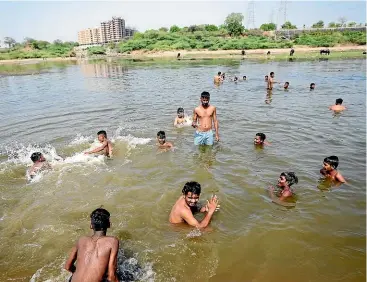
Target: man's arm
[194, 119]
[112, 264]
[216, 124]
[98, 149]
[69, 265]
[175, 122]
[191, 220]
[340, 178]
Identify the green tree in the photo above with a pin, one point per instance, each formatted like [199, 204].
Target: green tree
[174, 28]
[342, 21]
[352, 24]
[268, 26]
[233, 24]
[9, 41]
[58, 42]
[332, 25]
[288, 25]
[163, 29]
[211, 27]
[319, 24]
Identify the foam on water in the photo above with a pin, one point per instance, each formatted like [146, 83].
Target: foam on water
[80, 139]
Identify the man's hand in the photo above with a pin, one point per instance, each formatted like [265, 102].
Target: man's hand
[217, 137]
[212, 204]
[194, 124]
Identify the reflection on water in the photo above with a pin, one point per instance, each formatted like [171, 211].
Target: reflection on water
[60, 112]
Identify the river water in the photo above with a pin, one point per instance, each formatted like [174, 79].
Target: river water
[250, 239]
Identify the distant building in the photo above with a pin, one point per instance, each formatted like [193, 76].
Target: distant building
[129, 32]
[110, 31]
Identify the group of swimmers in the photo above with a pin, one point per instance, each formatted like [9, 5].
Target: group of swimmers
[97, 254]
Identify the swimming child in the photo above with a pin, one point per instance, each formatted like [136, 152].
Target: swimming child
[181, 119]
[285, 181]
[39, 164]
[218, 78]
[330, 165]
[312, 86]
[96, 255]
[162, 143]
[260, 139]
[106, 145]
[244, 77]
[266, 78]
[338, 106]
[286, 85]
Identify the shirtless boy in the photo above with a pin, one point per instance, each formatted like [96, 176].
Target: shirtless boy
[218, 78]
[106, 145]
[285, 181]
[186, 206]
[204, 117]
[271, 81]
[162, 143]
[181, 119]
[330, 165]
[338, 107]
[260, 139]
[96, 255]
[39, 164]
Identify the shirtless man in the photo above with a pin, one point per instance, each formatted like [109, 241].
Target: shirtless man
[338, 107]
[186, 206]
[39, 164]
[329, 169]
[285, 181]
[162, 143]
[218, 78]
[271, 81]
[96, 255]
[106, 145]
[260, 139]
[204, 117]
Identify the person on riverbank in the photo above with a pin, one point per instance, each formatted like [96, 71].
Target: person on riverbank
[39, 164]
[204, 117]
[338, 107]
[162, 142]
[96, 255]
[181, 119]
[285, 181]
[260, 139]
[187, 205]
[330, 165]
[218, 78]
[312, 86]
[105, 148]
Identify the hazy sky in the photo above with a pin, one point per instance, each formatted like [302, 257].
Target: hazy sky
[62, 20]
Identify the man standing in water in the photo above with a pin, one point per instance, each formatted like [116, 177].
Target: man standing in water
[204, 117]
[96, 255]
[271, 81]
[186, 206]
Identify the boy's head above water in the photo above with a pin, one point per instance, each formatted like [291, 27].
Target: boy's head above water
[161, 136]
[100, 220]
[339, 101]
[180, 112]
[102, 135]
[37, 157]
[286, 85]
[312, 86]
[191, 192]
[331, 163]
[259, 138]
[272, 74]
[287, 179]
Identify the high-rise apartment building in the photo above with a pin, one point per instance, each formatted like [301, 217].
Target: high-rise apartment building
[89, 36]
[110, 31]
[129, 32]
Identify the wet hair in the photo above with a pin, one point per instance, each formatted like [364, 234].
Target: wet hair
[205, 94]
[312, 84]
[100, 219]
[36, 156]
[287, 82]
[290, 177]
[180, 110]
[261, 135]
[271, 73]
[161, 135]
[333, 161]
[244, 76]
[339, 101]
[193, 187]
[266, 76]
[219, 73]
[102, 132]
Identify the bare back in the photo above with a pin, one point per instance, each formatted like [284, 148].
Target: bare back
[94, 257]
[204, 117]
